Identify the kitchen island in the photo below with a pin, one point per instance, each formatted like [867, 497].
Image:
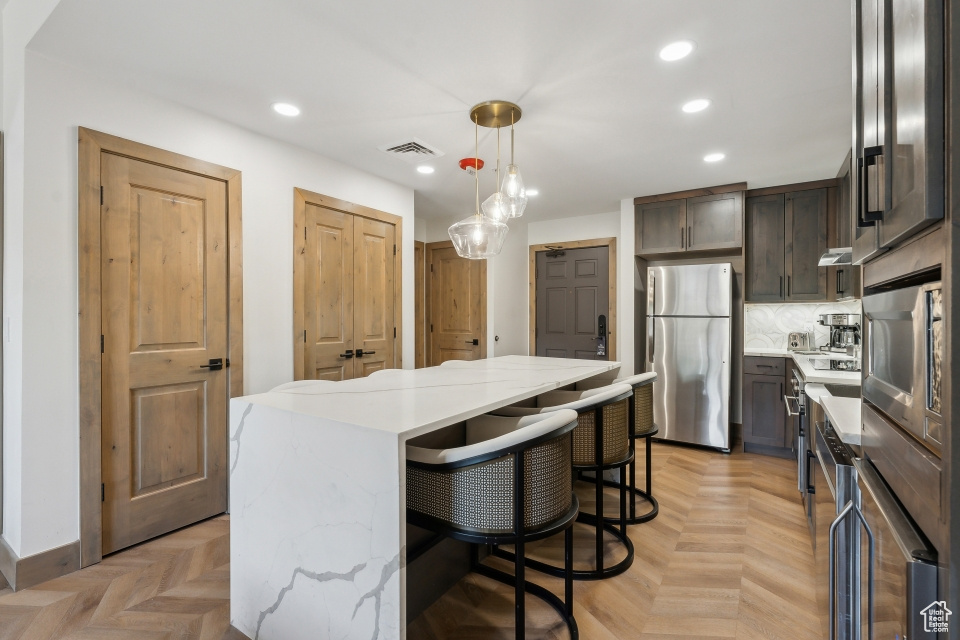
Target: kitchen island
[317, 489]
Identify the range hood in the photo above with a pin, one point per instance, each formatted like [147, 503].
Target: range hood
[840, 255]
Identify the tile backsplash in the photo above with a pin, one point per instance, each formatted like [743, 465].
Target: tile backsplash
[767, 325]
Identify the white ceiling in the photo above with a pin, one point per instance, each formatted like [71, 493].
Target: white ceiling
[601, 112]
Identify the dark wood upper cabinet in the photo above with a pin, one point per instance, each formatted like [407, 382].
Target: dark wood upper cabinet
[898, 122]
[715, 222]
[765, 249]
[661, 227]
[698, 220]
[844, 281]
[806, 240]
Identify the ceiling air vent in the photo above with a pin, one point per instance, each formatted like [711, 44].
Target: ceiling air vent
[413, 150]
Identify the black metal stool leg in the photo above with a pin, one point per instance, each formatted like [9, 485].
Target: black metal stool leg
[568, 566]
[649, 467]
[623, 503]
[633, 482]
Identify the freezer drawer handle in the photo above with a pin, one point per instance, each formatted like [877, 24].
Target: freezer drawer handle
[850, 507]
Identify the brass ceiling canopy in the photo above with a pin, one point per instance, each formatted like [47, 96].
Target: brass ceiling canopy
[495, 114]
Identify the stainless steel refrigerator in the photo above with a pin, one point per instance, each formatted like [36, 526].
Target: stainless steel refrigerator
[689, 333]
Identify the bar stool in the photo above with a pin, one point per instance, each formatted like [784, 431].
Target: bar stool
[641, 427]
[600, 442]
[509, 483]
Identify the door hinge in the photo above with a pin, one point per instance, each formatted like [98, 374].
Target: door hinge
[394, 332]
[394, 249]
[431, 268]
[431, 327]
[103, 493]
[304, 335]
[101, 343]
[101, 195]
[304, 233]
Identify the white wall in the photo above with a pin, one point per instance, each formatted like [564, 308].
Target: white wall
[58, 99]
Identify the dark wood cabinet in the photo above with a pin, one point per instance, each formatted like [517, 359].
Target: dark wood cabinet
[765, 249]
[844, 281]
[898, 122]
[806, 240]
[709, 222]
[661, 227]
[764, 412]
[715, 222]
[786, 235]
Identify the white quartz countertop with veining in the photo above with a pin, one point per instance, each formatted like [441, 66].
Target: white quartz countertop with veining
[823, 376]
[844, 415]
[409, 402]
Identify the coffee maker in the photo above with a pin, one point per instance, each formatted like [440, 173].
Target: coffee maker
[844, 333]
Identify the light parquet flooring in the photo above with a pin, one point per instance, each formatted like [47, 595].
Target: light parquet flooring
[174, 587]
[729, 556]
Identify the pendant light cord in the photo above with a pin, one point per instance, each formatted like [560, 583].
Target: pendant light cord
[511, 137]
[476, 158]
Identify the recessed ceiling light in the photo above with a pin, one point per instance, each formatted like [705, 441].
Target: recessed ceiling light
[714, 157]
[677, 50]
[425, 169]
[696, 105]
[286, 109]
[533, 192]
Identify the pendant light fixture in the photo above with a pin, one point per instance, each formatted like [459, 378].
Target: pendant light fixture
[513, 195]
[477, 237]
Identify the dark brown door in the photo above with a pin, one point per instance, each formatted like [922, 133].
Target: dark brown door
[164, 315]
[661, 227]
[806, 232]
[765, 249]
[715, 222]
[458, 306]
[572, 293]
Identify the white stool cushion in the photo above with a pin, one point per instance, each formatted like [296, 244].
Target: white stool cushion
[488, 433]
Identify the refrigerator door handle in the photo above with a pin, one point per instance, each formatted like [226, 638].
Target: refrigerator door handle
[650, 338]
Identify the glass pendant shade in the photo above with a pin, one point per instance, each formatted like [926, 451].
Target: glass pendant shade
[513, 194]
[494, 207]
[478, 237]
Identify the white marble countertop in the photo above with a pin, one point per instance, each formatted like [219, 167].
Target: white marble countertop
[409, 402]
[806, 366]
[844, 415]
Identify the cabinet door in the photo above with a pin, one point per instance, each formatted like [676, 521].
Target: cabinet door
[661, 227]
[806, 230]
[764, 414]
[914, 150]
[846, 282]
[765, 249]
[868, 122]
[715, 222]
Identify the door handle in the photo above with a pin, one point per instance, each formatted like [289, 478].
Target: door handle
[651, 340]
[810, 488]
[348, 354]
[839, 281]
[834, 526]
[475, 341]
[689, 237]
[681, 237]
[788, 286]
[216, 364]
[360, 353]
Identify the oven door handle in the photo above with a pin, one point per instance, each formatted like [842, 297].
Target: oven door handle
[786, 401]
[810, 456]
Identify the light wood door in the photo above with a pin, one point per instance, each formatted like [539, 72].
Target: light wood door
[164, 316]
[329, 291]
[458, 306]
[419, 305]
[374, 269]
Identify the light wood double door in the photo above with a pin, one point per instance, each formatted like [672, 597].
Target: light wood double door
[349, 301]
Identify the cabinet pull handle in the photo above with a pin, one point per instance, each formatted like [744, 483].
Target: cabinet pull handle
[681, 237]
[781, 286]
[788, 286]
[839, 281]
[689, 237]
[872, 157]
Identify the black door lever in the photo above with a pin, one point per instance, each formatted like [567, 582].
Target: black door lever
[215, 364]
[360, 353]
[348, 354]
